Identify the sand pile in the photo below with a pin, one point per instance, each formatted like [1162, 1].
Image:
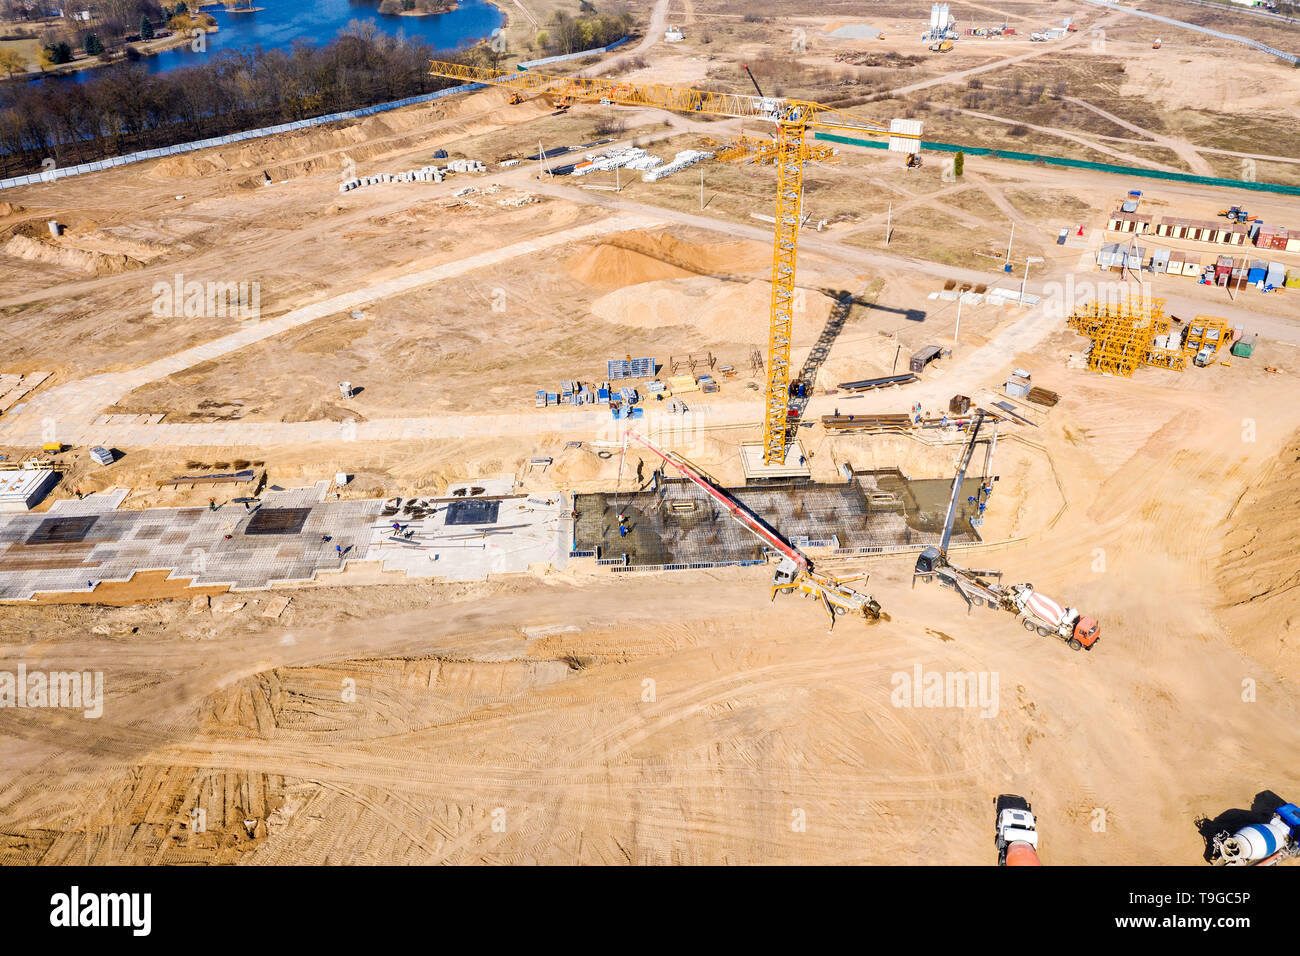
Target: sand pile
[608, 266]
[10, 209]
[1258, 575]
[92, 263]
[718, 310]
[628, 258]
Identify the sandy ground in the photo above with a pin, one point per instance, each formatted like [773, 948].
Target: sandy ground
[680, 718]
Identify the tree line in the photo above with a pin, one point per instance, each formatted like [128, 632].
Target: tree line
[123, 108]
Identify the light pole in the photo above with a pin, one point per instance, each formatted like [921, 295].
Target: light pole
[957, 329]
[1026, 277]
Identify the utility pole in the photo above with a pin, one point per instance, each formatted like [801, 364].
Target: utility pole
[701, 187]
[1006, 265]
[889, 222]
[1023, 281]
[957, 330]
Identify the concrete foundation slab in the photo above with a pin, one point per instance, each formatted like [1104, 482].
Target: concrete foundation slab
[794, 466]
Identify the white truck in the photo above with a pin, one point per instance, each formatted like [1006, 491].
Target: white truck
[1049, 618]
[1017, 832]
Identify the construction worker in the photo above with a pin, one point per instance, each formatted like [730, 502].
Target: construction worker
[338, 549]
[212, 504]
[622, 530]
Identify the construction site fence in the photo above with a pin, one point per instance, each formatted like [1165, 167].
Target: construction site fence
[50, 175]
[1231, 37]
[1077, 164]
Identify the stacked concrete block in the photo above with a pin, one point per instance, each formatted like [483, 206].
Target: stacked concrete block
[683, 160]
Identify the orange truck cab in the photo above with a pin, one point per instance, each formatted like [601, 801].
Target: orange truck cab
[1087, 631]
[1022, 854]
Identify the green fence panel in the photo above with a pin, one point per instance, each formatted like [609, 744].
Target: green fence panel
[1077, 164]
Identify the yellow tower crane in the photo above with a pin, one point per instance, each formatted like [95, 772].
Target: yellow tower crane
[793, 119]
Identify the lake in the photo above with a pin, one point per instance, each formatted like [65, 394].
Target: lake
[283, 22]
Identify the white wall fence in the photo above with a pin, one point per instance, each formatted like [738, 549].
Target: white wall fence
[1232, 37]
[50, 175]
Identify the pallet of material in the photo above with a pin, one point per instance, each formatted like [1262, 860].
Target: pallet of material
[867, 384]
[872, 422]
[217, 479]
[1043, 396]
[683, 383]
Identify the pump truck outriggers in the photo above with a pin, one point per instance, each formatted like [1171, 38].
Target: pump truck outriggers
[982, 587]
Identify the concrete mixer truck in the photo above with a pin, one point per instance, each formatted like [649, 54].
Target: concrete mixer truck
[1260, 844]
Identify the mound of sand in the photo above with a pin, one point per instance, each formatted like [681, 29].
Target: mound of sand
[1258, 575]
[10, 209]
[629, 258]
[92, 263]
[608, 266]
[720, 311]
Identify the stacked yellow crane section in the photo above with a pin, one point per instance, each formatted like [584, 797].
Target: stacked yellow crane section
[1206, 331]
[792, 118]
[1127, 335]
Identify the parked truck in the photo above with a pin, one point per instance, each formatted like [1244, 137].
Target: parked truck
[1049, 618]
[1017, 832]
[1260, 844]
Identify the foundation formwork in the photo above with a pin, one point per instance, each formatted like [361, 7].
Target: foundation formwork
[680, 525]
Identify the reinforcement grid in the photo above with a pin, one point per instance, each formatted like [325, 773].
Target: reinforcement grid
[681, 525]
